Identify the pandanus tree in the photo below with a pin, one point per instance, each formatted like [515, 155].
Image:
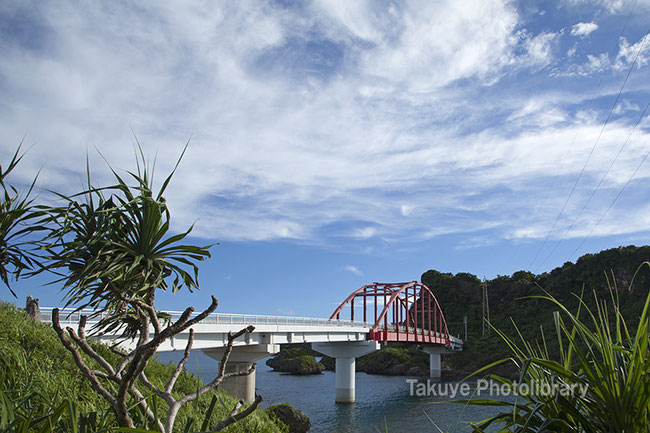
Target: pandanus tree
[113, 250]
[16, 213]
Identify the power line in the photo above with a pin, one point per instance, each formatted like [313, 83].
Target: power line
[620, 150]
[609, 114]
[557, 173]
[611, 110]
[620, 192]
[534, 218]
[593, 98]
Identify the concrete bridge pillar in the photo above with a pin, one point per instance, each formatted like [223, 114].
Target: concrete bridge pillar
[434, 359]
[241, 359]
[345, 354]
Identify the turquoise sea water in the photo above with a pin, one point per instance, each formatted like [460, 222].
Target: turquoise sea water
[383, 403]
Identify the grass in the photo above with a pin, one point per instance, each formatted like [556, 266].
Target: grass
[41, 389]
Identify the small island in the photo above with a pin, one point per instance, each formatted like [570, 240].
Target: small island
[393, 360]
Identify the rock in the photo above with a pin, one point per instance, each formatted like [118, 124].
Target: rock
[296, 420]
[295, 361]
[417, 371]
[397, 370]
[329, 363]
[32, 309]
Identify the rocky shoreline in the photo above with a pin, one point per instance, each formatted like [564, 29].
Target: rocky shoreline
[295, 420]
[296, 360]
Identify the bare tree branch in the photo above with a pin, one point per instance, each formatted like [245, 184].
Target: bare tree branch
[250, 370]
[222, 367]
[181, 363]
[153, 315]
[83, 343]
[94, 382]
[231, 340]
[142, 402]
[235, 416]
[144, 325]
[114, 348]
[185, 322]
[160, 393]
[132, 365]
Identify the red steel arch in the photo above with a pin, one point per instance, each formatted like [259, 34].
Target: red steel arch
[405, 312]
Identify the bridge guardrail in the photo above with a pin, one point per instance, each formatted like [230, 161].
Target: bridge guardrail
[69, 316]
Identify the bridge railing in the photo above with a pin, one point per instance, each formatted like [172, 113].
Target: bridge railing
[71, 317]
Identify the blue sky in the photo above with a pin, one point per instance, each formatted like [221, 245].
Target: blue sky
[335, 143]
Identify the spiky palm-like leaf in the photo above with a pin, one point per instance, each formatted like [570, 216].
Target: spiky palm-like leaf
[599, 353]
[113, 245]
[15, 215]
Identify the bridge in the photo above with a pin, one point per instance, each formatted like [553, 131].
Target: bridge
[385, 312]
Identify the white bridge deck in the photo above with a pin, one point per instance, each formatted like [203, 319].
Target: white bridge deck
[212, 332]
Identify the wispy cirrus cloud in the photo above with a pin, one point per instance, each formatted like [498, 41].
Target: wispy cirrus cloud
[353, 269]
[328, 123]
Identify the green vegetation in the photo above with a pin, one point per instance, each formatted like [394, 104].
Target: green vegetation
[39, 377]
[296, 360]
[15, 212]
[395, 359]
[598, 354]
[112, 251]
[510, 302]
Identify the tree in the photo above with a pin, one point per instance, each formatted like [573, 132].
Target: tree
[113, 251]
[15, 212]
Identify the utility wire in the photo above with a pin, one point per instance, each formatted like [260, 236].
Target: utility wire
[593, 98]
[615, 198]
[597, 186]
[557, 174]
[609, 114]
[611, 110]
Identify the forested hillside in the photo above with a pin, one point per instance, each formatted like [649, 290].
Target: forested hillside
[509, 299]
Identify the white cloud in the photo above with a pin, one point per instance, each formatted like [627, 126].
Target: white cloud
[353, 269]
[539, 49]
[364, 233]
[637, 54]
[572, 51]
[583, 29]
[625, 105]
[611, 6]
[330, 122]
[405, 209]
[628, 54]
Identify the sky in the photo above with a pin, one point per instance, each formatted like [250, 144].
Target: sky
[337, 143]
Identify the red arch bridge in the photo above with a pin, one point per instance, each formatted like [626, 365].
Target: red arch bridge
[372, 315]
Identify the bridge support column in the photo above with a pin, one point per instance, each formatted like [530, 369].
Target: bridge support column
[241, 359]
[434, 359]
[345, 354]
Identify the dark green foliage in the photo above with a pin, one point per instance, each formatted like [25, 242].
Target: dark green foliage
[39, 378]
[396, 359]
[296, 360]
[461, 295]
[600, 355]
[113, 244]
[15, 215]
